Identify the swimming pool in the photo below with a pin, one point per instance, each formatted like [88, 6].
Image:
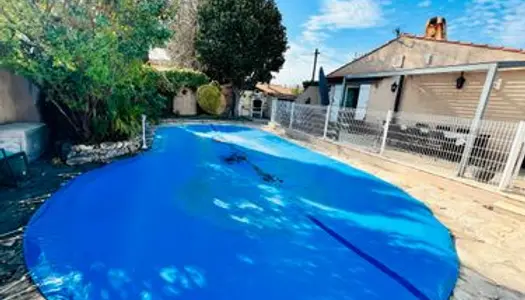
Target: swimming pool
[231, 212]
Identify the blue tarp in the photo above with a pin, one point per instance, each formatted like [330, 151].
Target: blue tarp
[229, 212]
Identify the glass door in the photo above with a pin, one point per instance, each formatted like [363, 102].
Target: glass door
[351, 99]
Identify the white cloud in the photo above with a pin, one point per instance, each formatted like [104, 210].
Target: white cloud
[334, 15]
[343, 14]
[513, 29]
[299, 63]
[425, 3]
[501, 20]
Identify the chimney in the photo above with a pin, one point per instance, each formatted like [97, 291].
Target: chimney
[436, 29]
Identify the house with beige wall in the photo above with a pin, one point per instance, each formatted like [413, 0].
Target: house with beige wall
[420, 74]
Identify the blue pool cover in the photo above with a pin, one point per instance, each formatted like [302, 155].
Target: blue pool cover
[230, 212]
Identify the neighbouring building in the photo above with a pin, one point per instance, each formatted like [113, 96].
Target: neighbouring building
[433, 75]
[310, 95]
[276, 91]
[257, 103]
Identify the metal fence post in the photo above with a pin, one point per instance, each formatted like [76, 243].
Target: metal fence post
[327, 120]
[519, 163]
[514, 155]
[144, 142]
[477, 122]
[274, 110]
[291, 115]
[385, 131]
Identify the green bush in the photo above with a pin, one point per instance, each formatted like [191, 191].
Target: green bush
[171, 81]
[146, 91]
[88, 59]
[168, 83]
[209, 98]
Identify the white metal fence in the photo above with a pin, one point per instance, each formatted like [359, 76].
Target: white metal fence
[444, 145]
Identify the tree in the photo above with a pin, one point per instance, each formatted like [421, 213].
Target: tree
[297, 90]
[87, 58]
[241, 41]
[181, 47]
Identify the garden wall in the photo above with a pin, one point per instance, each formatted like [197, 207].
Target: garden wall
[18, 99]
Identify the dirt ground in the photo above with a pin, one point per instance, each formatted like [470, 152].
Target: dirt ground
[489, 243]
[17, 205]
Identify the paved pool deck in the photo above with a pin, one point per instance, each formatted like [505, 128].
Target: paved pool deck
[490, 244]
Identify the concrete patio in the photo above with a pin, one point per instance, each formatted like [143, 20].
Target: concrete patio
[490, 242]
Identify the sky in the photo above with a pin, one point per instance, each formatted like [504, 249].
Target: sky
[343, 29]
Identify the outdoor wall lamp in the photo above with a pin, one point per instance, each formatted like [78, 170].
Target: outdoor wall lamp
[460, 82]
[394, 87]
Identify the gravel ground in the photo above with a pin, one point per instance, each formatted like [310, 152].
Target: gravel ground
[18, 204]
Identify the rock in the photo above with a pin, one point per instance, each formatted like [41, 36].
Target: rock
[65, 149]
[107, 145]
[80, 160]
[134, 147]
[80, 148]
[104, 152]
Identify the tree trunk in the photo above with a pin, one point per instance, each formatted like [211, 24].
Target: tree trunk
[236, 95]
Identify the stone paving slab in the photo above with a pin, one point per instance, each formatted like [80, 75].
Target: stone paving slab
[491, 245]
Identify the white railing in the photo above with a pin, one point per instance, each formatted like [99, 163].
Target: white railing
[437, 144]
[144, 141]
[147, 133]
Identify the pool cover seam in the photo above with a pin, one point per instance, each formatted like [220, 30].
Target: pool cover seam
[371, 260]
[383, 268]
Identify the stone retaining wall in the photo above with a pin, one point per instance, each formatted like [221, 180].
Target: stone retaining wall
[105, 152]
[75, 155]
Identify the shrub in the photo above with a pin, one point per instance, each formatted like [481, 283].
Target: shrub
[165, 84]
[173, 80]
[209, 98]
[169, 82]
[87, 57]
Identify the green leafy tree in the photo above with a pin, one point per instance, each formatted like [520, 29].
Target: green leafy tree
[87, 57]
[241, 41]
